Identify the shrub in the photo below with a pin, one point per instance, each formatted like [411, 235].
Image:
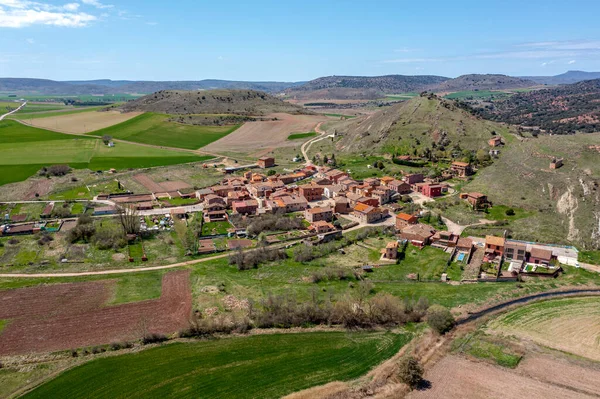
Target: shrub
[45, 239]
[510, 212]
[410, 371]
[152, 338]
[58, 170]
[115, 346]
[440, 319]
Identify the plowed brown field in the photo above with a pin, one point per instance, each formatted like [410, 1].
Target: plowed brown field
[63, 316]
[266, 134]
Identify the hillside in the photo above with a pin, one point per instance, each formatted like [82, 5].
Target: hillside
[417, 123]
[241, 102]
[568, 77]
[362, 87]
[565, 201]
[107, 86]
[482, 82]
[560, 110]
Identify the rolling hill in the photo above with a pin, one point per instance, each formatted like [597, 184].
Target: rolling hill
[241, 102]
[560, 110]
[482, 82]
[362, 87]
[417, 123]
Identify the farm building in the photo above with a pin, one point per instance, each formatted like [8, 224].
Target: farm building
[495, 141]
[556, 163]
[461, 169]
[266, 162]
[105, 210]
[404, 219]
[391, 250]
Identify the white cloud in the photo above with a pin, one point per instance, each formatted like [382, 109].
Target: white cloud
[571, 62]
[22, 13]
[547, 63]
[96, 3]
[30, 41]
[71, 6]
[565, 45]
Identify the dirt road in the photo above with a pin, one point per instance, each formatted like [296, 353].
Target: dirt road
[13, 111]
[306, 146]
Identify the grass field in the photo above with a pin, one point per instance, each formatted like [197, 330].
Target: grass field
[592, 257]
[155, 129]
[570, 325]
[25, 150]
[48, 113]
[298, 136]
[264, 366]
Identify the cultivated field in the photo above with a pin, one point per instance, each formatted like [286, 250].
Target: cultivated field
[262, 366]
[63, 316]
[81, 122]
[155, 129]
[25, 150]
[569, 325]
[266, 134]
[457, 377]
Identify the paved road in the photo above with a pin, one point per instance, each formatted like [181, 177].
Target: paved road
[13, 111]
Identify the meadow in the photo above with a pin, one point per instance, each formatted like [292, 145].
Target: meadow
[27, 114]
[155, 129]
[299, 136]
[261, 366]
[478, 95]
[25, 150]
[571, 325]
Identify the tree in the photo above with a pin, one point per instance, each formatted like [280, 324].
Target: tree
[271, 172]
[510, 212]
[410, 371]
[440, 319]
[483, 156]
[129, 219]
[58, 170]
[106, 139]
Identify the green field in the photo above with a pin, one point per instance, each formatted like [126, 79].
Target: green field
[25, 150]
[26, 116]
[155, 129]
[298, 136]
[263, 366]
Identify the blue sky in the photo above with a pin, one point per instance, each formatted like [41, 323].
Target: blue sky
[293, 41]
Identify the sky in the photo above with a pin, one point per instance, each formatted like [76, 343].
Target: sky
[294, 41]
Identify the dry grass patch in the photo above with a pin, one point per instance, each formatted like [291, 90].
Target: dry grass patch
[83, 122]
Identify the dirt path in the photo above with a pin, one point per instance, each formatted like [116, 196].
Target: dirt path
[305, 147]
[458, 229]
[13, 111]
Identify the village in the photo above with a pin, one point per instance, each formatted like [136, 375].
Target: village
[328, 202]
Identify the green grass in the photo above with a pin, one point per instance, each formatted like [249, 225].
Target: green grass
[25, 150]
[298, 136]
[498, 212]
[182, 201]
[485, 347]
[138, 287]
[592, 257]
[77, 208]
[210, 228]
[264, 366]
[340, 116]
[155, 129]
[79, 192]
[2, 324]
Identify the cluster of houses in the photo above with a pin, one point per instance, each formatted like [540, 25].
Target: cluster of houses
[256, 193]
[522, 257]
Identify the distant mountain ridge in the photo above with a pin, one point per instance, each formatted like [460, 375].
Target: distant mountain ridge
[568, 77]
[107, 86]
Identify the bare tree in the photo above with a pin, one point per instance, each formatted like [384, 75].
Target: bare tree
[129, 218]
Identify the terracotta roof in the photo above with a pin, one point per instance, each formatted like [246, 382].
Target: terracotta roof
[493, 240]
[405, 217]
[364, 208]
[464, 243]
[476, 195]
[392, 244]
[460, 163]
